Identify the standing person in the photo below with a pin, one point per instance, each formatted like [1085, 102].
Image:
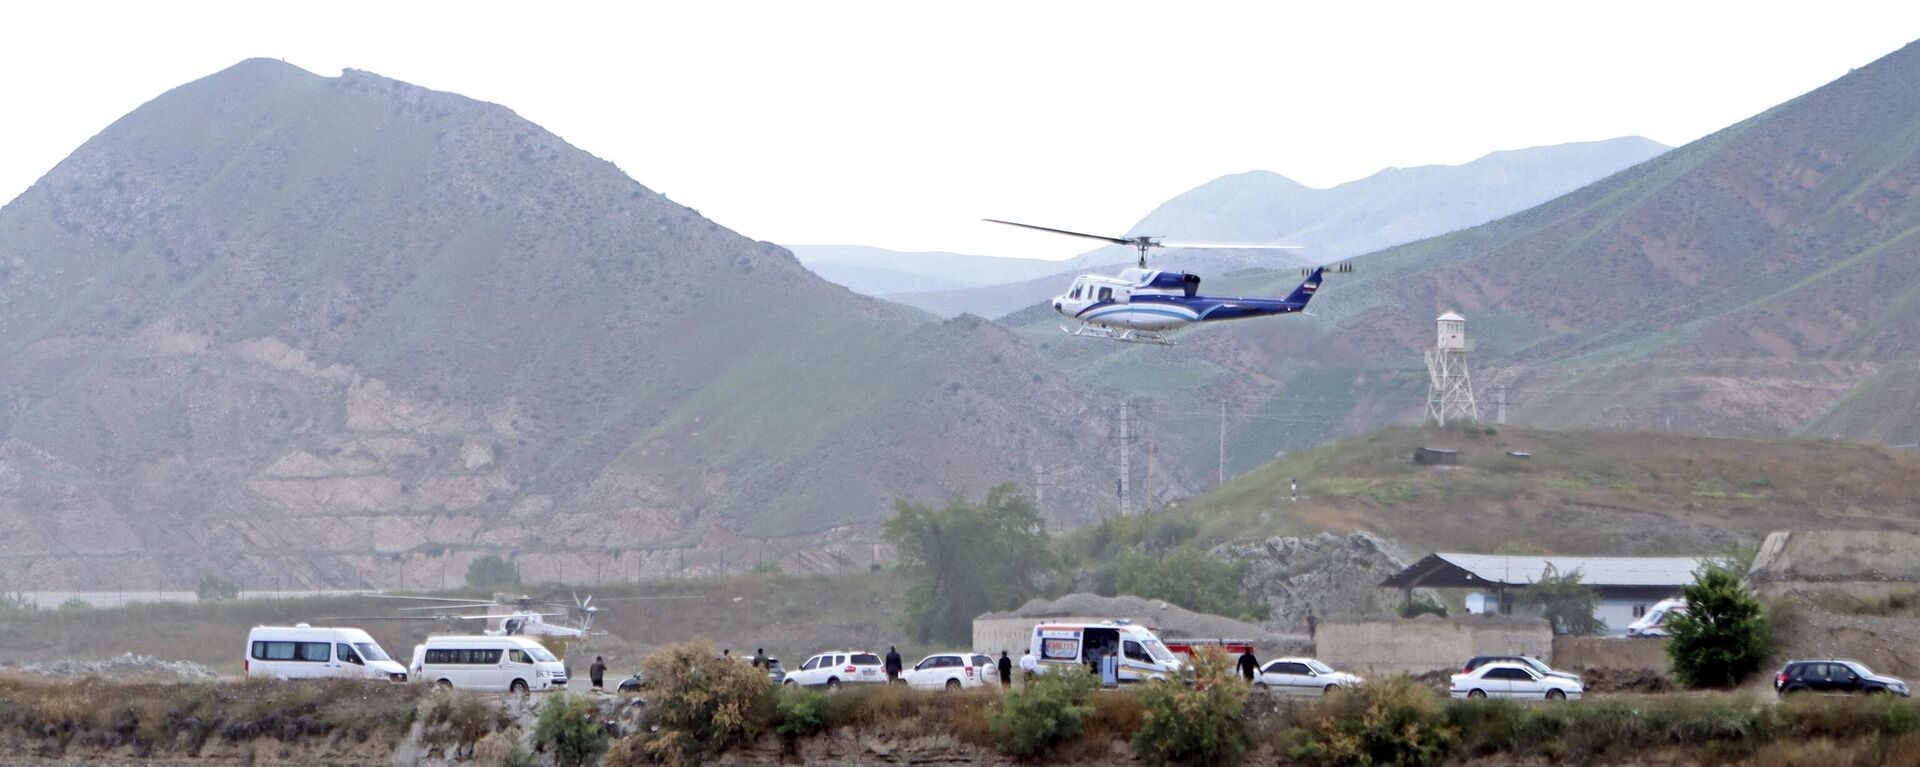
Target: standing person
[759, 657]
[893, 665]
[1311, 625]
[1027, 666]
[1006, 670]
[597, 672]
[1249, 665]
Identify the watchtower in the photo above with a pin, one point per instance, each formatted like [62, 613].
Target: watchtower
[1450, 387]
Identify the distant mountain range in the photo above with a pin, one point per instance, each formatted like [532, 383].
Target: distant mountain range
[1388, 208]
[301, 331]
[1763, 280]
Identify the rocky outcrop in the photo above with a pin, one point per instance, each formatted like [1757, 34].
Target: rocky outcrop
[1325, 575]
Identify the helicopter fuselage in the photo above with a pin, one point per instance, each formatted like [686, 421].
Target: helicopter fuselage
[1155, 301]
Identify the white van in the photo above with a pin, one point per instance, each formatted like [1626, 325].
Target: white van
[513, 663]
[1654, 623]
[305, 652]
[1080, 646]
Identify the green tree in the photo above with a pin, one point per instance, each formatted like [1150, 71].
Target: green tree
[567, 730]
[492, 571]
[1189, 579]
[1564, 601]
[213, 587]
[968, 559]
[1723, 636]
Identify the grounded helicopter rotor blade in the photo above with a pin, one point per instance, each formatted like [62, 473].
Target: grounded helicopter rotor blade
[444, 608]
[1114, 240]
[378, 618]
[434, 599]
[1230, 246]
[641, 599]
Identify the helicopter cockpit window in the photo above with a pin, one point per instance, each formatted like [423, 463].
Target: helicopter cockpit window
[1106, 294]
[1075, 295]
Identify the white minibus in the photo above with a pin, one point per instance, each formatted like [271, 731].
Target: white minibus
[513, 663]
[305, 652]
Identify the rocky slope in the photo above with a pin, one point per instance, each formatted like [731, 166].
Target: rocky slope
[314, 331]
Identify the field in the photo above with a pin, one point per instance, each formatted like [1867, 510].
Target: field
[790, 616]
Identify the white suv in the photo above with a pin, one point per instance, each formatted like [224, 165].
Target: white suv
[952, 671]
[832, 669]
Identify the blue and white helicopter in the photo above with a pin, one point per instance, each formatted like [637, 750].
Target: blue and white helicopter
[1143, 305]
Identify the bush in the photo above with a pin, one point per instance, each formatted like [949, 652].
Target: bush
[801, 713]
[489, 571]
[567, 730]
[1393, 722]
[1201, 725]
[1420, 605]
[461, 720]
[1042, 715]
[1723, 637]
[701, 703]
[213, 588]
[1565, 602]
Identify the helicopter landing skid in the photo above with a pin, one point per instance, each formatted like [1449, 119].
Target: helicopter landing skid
[1090, 330]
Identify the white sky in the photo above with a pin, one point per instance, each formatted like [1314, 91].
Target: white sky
[900, 124]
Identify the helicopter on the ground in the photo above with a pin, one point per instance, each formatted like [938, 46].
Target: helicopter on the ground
[511, 616]
[1142, 305]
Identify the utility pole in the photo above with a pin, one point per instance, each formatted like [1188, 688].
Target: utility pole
[1146, 489]
[1223, 443]
[1039, 490]
[1500, 415]
[1126, 458]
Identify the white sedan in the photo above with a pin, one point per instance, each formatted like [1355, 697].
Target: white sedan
[1515, 681]
[951, 671]
[1303, 677]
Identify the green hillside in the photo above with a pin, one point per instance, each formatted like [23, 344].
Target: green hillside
[319, 330]
[1578, 492]
[1758, 281]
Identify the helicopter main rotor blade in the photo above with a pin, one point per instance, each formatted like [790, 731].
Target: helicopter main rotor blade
[1230, 246]
[642, 599]
[1114, 240]
[434, 599]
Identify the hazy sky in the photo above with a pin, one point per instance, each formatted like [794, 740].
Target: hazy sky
[900, 124]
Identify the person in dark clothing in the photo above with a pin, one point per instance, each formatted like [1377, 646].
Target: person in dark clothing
[760, 657]
[597, 672]
[1249, 665]
[893, 665]
[1006, 670]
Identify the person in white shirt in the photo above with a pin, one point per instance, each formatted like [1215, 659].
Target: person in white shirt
[1028, 665]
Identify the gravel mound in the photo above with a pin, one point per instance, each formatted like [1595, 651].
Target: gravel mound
[128, 666]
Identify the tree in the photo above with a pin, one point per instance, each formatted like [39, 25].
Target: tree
[1189, 579]
[1565, 602]
[968, 559]
[492, 571]
[213, 587]
[1723, 636]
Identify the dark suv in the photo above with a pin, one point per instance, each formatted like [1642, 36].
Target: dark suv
[1835, 677]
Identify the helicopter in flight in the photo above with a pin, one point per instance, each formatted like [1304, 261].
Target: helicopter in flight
[1142, 305]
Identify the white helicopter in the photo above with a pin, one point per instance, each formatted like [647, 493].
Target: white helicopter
[510, 616]
[1142, 305]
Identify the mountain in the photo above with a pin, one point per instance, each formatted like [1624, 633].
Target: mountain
[878, 271]
[1394, 206]
[1762, 280]
[302, 331]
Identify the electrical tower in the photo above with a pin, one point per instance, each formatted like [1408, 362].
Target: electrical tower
[1450, 388]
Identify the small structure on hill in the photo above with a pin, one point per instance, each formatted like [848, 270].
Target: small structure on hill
[1625, 586]
[1870, 565]
[1450, 387]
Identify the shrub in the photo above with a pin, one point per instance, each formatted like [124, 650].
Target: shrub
[1393, 722]
[1043, 714]
[1723, 637]
[701, 703]
[1187, 578]
[213, 587]
[461, 720]
[801, 713]
[568, 731]
[1201, 725]
[1565, 602]
[1422, 604]
[492, 571]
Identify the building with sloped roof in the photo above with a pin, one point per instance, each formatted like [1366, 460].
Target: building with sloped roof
[1626, 586]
